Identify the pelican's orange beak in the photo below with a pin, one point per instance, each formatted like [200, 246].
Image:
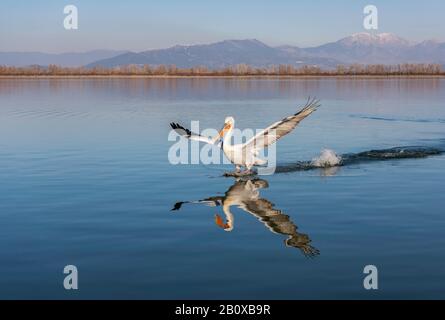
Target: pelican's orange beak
[220, 222]
[226, 127]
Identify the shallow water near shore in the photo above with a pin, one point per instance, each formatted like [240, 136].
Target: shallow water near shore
[85, 180]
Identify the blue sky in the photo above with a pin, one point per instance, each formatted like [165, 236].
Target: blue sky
[140, 25]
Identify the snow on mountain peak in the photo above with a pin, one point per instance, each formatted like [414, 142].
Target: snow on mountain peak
[366, 38]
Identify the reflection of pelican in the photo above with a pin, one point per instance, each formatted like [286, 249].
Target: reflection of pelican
[246, 154]
[245, 195]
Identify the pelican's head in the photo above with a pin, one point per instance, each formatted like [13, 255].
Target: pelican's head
[229, 120]
[229, 123]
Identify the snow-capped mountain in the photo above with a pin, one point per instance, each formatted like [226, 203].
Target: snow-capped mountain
[369, 39]
[383, 48]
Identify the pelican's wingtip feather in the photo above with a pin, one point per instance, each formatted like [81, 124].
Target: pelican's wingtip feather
[311, 105]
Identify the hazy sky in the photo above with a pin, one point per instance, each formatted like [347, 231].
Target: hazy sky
[143, 24]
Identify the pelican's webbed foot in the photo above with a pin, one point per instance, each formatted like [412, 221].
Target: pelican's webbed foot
[238, 174]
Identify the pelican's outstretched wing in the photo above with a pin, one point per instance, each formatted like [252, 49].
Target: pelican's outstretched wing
[279, 129]
[278, 222]
[211, 202]
[192, 136]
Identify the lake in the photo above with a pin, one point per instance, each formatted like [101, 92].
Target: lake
[86, 181]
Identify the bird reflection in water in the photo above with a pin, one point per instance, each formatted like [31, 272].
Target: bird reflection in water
[245, 195]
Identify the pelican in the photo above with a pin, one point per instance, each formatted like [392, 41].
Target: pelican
[245, 195]
[246, 154]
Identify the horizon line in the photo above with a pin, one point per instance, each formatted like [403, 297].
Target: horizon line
[411, 43]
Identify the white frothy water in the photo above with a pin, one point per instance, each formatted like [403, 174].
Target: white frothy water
[327, 158]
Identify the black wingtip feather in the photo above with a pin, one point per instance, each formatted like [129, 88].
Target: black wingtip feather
[176, 125]
[311, 103]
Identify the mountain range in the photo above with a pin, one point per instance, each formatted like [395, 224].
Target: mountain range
[364, 48]
[384, 48]
[69, 59]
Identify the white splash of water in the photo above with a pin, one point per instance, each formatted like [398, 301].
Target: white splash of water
[327, 158]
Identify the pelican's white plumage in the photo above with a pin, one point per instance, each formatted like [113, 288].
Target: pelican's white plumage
[246, 154]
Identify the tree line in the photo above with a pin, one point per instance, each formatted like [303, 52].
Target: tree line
[236, 70]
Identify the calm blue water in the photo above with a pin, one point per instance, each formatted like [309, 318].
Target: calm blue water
[85, 180]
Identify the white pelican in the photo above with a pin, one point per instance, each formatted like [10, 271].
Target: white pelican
[245, 195]
[246, 154]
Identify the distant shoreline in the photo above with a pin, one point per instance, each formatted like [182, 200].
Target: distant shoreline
[238, 71]
[313, 76]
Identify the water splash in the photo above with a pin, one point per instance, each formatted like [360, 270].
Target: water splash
[329, 159]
